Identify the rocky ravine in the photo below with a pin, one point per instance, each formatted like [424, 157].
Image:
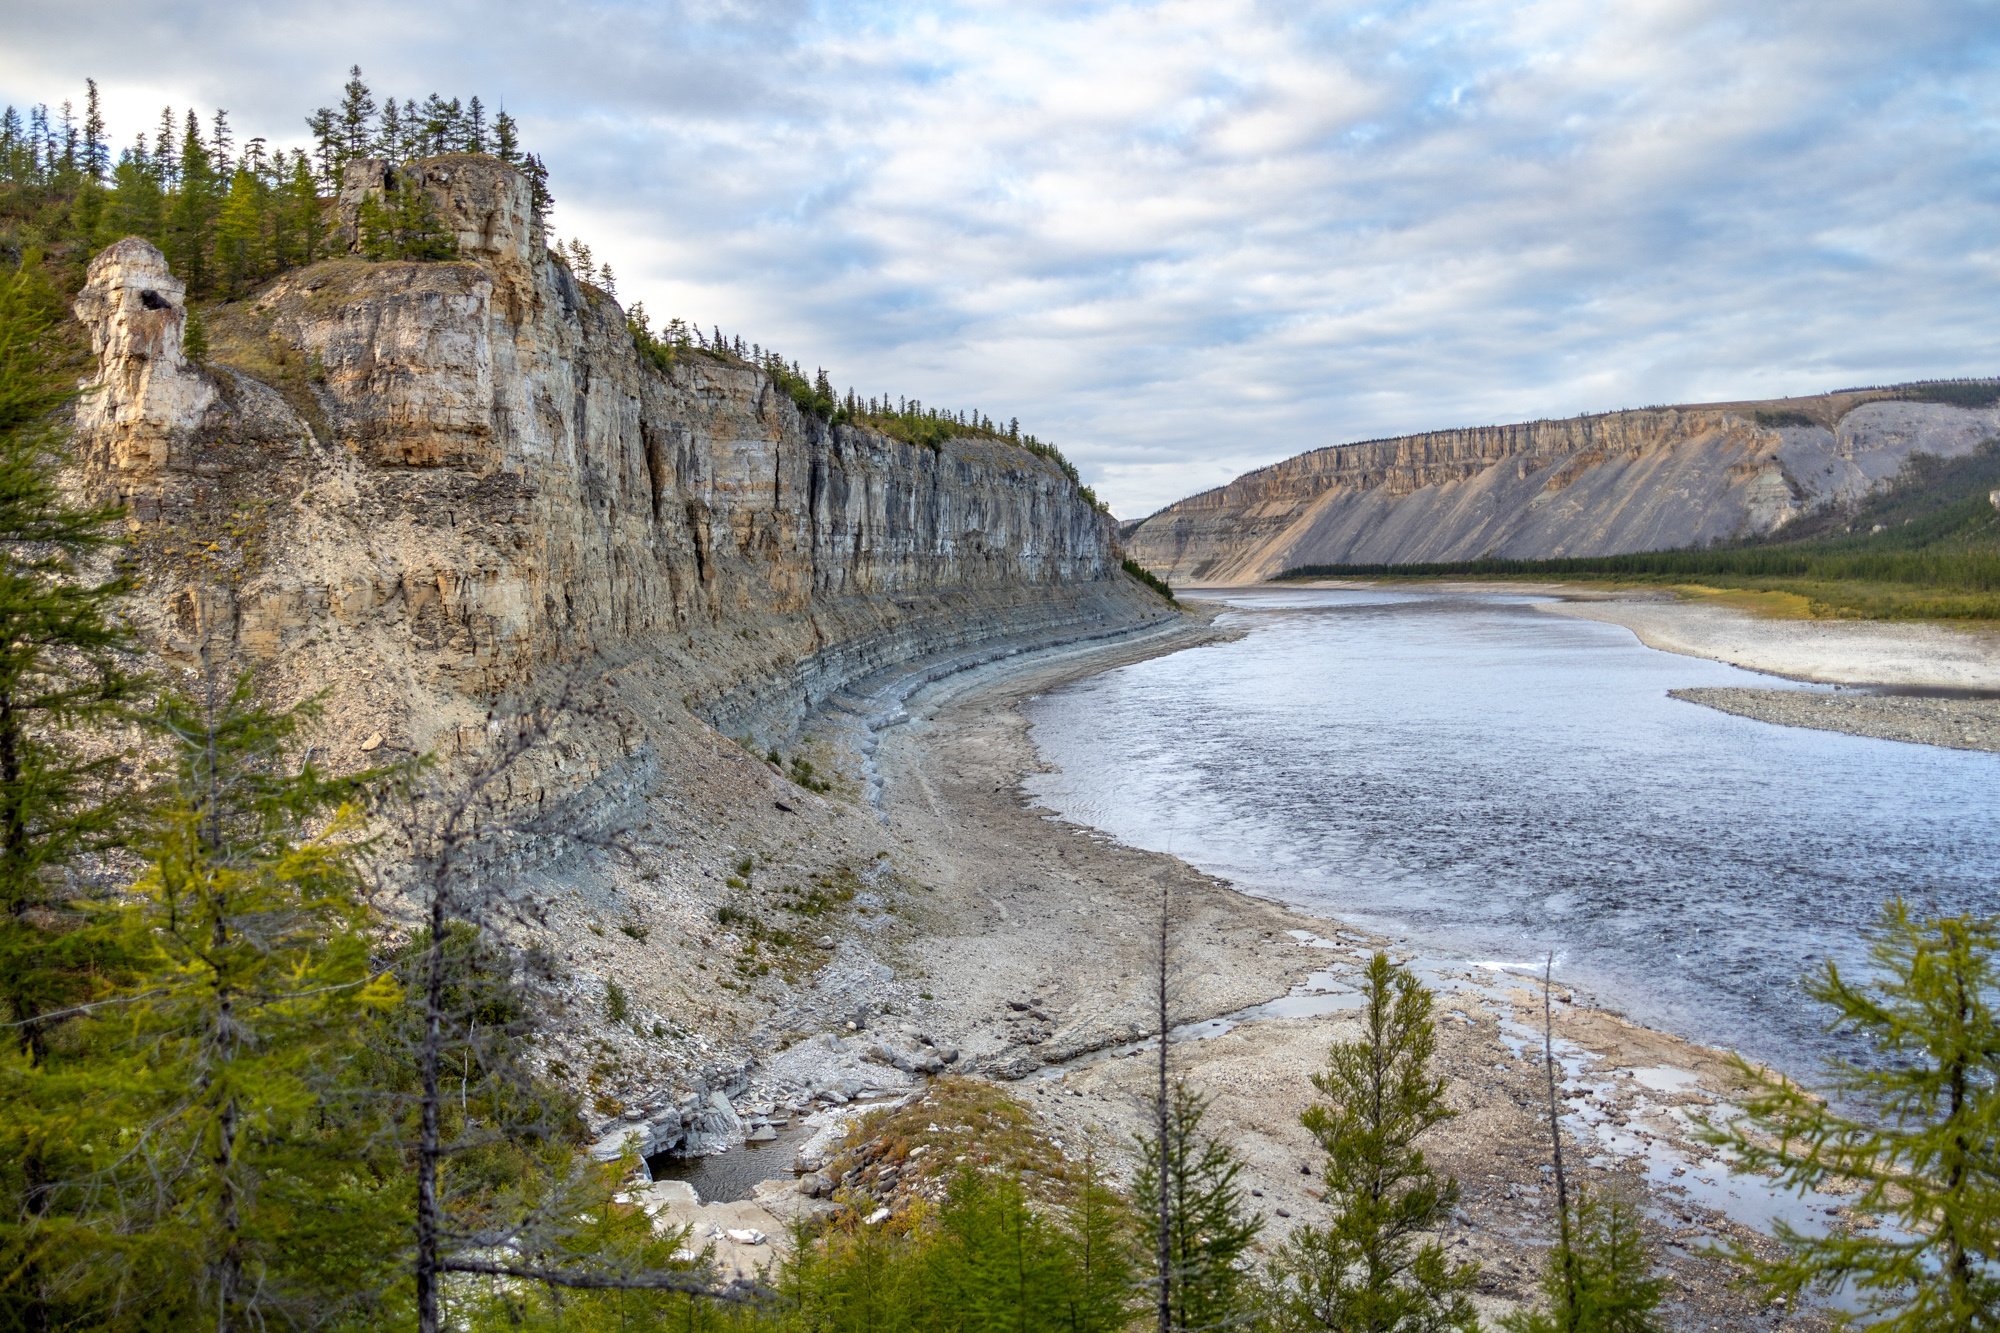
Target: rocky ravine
[420, 489]
[1643, 480]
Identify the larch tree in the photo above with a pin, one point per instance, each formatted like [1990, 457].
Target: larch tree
[1916, 1127]
[253, 984]
[65, 682]
[1370, 1267]
[1204, 1216]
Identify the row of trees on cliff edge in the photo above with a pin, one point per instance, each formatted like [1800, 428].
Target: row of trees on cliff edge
[233, 1095]
[228, 214]
[231, 216]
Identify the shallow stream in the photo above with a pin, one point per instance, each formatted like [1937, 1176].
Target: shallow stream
[1471, 774]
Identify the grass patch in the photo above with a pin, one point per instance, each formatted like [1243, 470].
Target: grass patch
[959, 1123]
[776, 930]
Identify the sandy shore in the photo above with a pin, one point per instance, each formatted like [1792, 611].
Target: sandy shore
[1035, 939]
[1874, 655]
[1829, 652]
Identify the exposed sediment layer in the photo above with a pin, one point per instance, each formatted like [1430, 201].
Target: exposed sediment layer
[420, 486]
[1642, 480]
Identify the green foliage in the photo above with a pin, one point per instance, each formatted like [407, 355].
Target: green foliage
[227, 220]
[1209, 1224]
[1774, 417]
[1602, 1281]
[989, 1261]
[249, 937]
[617, 1006]
[403, 224]
[65, 684]
[1915, 1129]
[189, 1145]
[1149, 578]
[1367, 1269]
[1958, 393]
[64, 670]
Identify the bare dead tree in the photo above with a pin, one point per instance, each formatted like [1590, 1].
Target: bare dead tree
[1162, 1112]
[460, 840]
[1555, 1124]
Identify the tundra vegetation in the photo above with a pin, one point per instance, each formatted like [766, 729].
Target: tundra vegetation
[234, 1094]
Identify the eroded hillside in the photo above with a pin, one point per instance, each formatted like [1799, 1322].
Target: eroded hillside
[1651, 479]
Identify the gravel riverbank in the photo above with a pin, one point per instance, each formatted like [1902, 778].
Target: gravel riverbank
[1957, 724]
[1036, 942]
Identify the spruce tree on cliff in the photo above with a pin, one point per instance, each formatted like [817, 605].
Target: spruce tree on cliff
[1368, 1268]
[1916, 1127]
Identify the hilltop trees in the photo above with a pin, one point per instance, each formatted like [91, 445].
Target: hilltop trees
[229, 219]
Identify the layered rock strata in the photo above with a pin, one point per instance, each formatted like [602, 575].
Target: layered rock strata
[1627, 481]
[424, 485]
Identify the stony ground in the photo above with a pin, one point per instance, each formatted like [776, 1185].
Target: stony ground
[1001, 943]
[1039, 942]
[1956, 724]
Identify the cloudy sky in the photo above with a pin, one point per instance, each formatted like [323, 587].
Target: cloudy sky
[1187, 238]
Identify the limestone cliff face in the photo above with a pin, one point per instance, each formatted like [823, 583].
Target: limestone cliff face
[425, 484]
[1626, 481]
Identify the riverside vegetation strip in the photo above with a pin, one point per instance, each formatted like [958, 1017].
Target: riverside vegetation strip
[315, 1114]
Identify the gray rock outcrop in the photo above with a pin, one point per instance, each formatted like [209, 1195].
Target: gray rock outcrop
[1644, 480]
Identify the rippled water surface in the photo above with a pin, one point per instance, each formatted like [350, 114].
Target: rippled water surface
[1476, 775]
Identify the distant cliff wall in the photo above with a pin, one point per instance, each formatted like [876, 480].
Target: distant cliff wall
[1626, 481]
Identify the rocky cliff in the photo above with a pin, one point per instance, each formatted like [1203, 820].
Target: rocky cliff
[423, 492]
[423, 484]
[1626, 481]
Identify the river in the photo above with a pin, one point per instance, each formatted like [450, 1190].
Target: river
[1466, 773]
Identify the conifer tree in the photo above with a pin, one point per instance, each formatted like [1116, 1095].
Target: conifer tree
[96, 151]
[191, 217]
[299, 225]
[241, 254]
[1209, 1226]
[389, 132]
[166, 150]
[64, 670]
[138, 208]
[221, 144]
[1599, 1278]
[250, 943]
[1368, 1269]
[539, 193]
[1917, 1128]
[64, 681]
[326, 145]
[354, 127]
[506, 138]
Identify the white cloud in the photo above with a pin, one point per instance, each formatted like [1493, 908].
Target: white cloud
[1189, 237]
